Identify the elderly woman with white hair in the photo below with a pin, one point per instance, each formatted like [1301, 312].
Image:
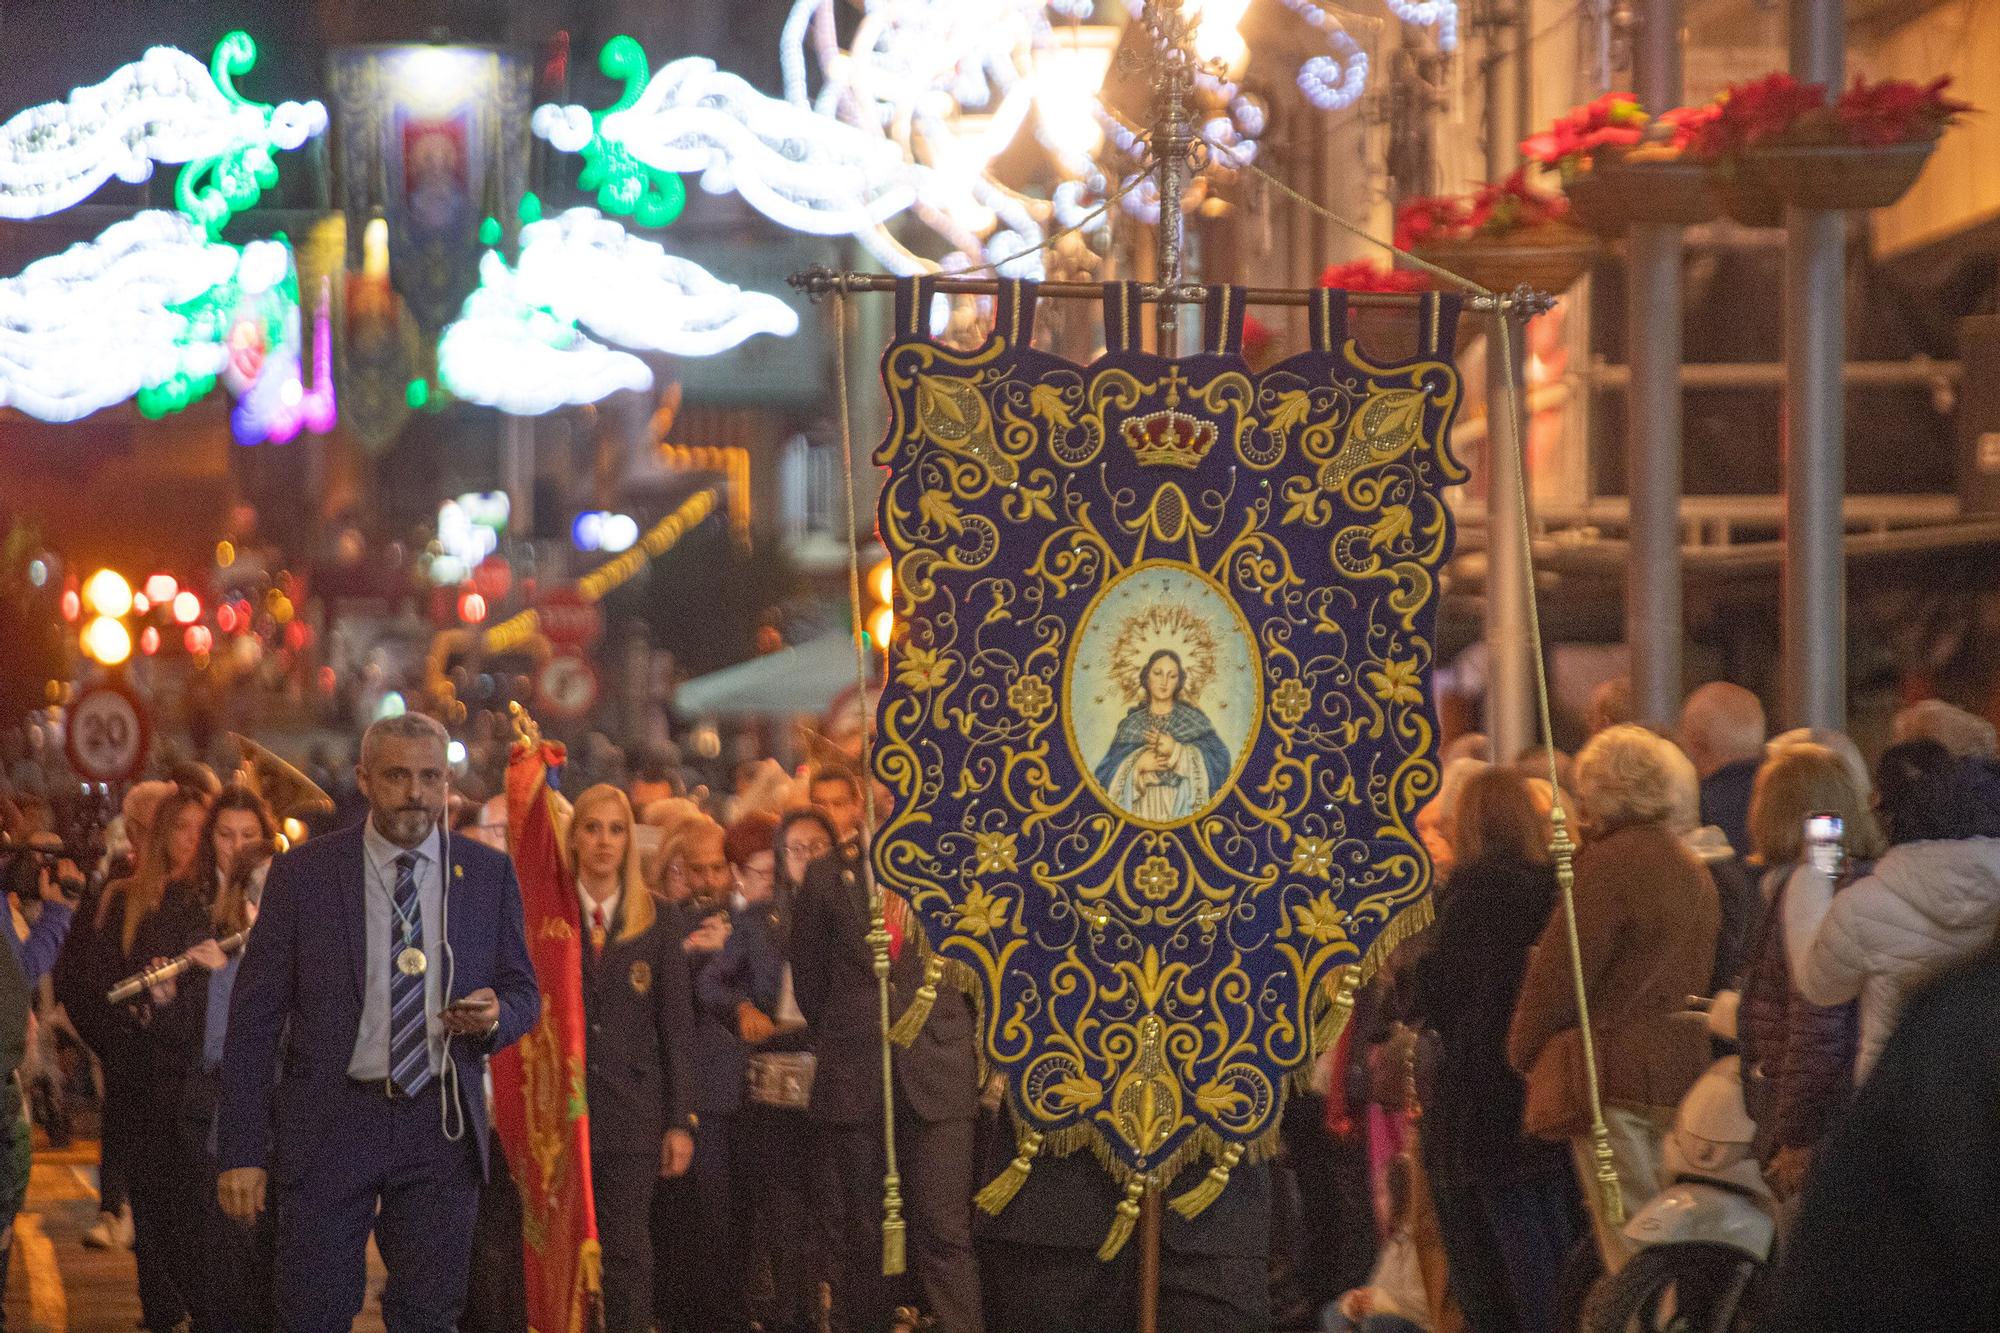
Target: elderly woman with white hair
[1646, 919]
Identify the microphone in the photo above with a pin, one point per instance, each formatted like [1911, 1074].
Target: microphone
[138, 982]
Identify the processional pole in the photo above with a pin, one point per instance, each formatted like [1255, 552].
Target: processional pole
[1173, 137]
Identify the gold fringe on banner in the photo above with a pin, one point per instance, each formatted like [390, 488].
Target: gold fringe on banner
[1191, 1204]
[1334, 1021]
[1125, 1221]
[913, 1019]
[1000, 1191]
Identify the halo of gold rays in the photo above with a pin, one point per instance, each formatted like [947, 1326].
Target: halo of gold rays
[1145, 632]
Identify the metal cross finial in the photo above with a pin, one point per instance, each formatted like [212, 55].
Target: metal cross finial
[1173, 135]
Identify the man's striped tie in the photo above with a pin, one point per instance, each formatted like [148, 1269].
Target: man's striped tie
[409, 1038]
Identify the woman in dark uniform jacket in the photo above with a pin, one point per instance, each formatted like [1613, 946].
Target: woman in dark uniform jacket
[236, 848]
[638, 1010]
[164, 1036]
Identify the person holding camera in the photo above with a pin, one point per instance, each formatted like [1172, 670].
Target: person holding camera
[42, 885]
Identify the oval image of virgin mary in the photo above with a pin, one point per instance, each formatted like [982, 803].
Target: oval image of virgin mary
[1163, 693]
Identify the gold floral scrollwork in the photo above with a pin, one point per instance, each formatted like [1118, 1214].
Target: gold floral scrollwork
[1397, 683]
[922, 668]
[1156, 879]
[954, 414]
[1388, 426]
[981, 913]
[1313, 857]
[1030, 696]
[1146, 1103]
[1290, 701]
[1320, 920]
[994, 853]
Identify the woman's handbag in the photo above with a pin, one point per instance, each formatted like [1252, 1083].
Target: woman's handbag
[781, 1079]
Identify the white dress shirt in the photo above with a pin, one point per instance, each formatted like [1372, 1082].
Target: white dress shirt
[590, 905]
[371, 1043]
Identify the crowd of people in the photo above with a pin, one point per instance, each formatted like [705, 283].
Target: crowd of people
[262, 1113]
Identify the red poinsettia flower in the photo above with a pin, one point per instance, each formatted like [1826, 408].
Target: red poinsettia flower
[1614, 120]
[1895, 111]
[1362, 275]
[1493, 210]
[1690, 124]
[1429, 218]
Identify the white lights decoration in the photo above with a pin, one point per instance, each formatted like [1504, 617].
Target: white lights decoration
[1439, 14]
[164, 107]
[519, 344]
[109, 318]
[626, 289]
[801, 170]
[505, 352]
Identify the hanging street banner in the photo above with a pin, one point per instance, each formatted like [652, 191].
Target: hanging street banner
[1157, 720]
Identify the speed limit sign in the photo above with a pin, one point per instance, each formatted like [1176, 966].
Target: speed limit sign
[106, 734]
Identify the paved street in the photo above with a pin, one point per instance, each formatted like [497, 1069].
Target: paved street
[55, 1285]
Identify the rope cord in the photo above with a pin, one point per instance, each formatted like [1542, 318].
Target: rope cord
[878, 932]
[1560, 843]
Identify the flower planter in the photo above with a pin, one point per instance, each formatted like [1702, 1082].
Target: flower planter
[1548, 258]
[1616, 195]
[1839, 176]
[1747, 198]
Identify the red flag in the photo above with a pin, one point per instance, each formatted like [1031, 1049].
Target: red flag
[538, 1098]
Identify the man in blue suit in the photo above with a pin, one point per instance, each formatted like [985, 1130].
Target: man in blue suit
[387, 963]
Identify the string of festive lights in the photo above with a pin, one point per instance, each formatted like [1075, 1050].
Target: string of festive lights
[628, 290]
[519, 343]
[520, 628]
[801, 170]
[164, 107]
[505, 351]
[113, 317]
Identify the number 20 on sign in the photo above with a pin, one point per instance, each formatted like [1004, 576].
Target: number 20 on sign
[106, 734]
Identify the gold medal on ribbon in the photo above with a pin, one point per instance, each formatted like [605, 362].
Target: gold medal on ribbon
[411, 962]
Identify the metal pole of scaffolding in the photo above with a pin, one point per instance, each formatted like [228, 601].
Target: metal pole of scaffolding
[1510, 711]
[1653, 627]
[1814, 625]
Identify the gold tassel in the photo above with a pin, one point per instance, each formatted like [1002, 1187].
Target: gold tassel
[913, 1019]
[1122, 1225]
[1191, 1204]
[1000, 1191]
[1334, 1021]
[592, 1258]
[894, 1260]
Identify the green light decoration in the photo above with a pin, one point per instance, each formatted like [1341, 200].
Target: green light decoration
[418, 394]
[211, 190]
[627, 187]
[210, 320]
[530, 209]
[490, 233]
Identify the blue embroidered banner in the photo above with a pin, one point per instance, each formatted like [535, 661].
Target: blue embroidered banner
[1157, 719]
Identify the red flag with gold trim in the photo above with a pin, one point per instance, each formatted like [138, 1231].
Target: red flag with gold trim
[538, 1083]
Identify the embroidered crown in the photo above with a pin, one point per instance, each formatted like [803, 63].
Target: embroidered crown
[1170, 438]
